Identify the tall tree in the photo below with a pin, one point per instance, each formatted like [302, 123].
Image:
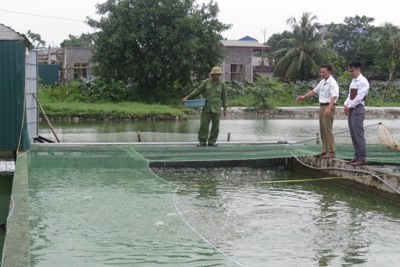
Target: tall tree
[387, 54]
[275, 39]
[353, 39]
[159, 45]
[301, 55]
[85, 40]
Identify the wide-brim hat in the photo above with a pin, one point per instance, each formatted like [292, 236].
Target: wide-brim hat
[216, 70]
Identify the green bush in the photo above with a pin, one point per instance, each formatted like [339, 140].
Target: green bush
[264, 90]
[265, 93]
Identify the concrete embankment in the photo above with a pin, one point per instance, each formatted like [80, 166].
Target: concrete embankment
[311, 112]
[368, 178]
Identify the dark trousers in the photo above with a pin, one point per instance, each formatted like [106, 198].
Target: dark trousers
[356, 126]
[205, 134]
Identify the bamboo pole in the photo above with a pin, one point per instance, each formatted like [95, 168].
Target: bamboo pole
[47, 119]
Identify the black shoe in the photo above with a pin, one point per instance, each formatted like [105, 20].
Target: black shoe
[359, 163]
[200, 145]
[214, 145]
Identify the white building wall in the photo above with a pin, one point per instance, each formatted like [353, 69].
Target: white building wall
[74, 55]
[31, 88]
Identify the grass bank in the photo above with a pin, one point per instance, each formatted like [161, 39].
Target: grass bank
[134, 110]
[107, 110]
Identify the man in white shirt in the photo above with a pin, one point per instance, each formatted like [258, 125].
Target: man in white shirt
[328, 94]
[354, 108]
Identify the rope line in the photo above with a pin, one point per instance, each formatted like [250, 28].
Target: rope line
[177, 209]
[8, 217]
[194, 230]
[38, 15]
[22, 123]
[12, 208]
[337, 133]
[305, 180]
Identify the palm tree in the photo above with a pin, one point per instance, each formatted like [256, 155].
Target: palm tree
[300, 56]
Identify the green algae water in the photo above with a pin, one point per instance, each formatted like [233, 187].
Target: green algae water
[103, 206]
[5, 192]
[90, 208]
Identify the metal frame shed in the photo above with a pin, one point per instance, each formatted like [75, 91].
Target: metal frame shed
[18, 81]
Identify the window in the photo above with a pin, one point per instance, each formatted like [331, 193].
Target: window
[237, 72]
[80, 70]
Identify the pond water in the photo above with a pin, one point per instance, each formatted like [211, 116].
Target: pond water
[5, 191]
[260, 223]
[252, 130]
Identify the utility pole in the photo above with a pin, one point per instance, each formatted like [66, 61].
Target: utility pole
[264, 32]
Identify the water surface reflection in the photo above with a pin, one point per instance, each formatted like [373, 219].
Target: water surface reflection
[287, 224]
[255, 130]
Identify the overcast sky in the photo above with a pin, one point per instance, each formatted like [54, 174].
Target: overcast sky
[54, 20]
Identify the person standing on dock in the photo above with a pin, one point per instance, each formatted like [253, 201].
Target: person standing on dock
[354, 108]
[214, 91]
[328, 94]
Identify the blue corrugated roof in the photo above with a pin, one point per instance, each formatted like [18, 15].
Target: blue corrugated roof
[248, 38]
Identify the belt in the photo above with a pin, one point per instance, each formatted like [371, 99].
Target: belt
[325, 104]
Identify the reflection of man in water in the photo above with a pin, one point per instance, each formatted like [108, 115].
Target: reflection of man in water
[328, 91]
[214, 91]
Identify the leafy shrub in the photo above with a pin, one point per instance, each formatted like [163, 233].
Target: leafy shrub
[91, 91]
[236, 89]
[109, 91]
[264, 90]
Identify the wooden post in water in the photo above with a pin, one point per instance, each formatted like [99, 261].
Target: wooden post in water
[139, 138]
[317, 134]
[229, 137]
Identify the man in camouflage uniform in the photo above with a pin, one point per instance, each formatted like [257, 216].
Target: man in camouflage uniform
[214, 91]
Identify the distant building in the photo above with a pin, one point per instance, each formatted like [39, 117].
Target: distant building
[248, 38]
[77, 63]
[241, 62]
[65, 64]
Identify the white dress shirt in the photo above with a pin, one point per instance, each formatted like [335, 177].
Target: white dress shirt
[326, 89]
[361, 87]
